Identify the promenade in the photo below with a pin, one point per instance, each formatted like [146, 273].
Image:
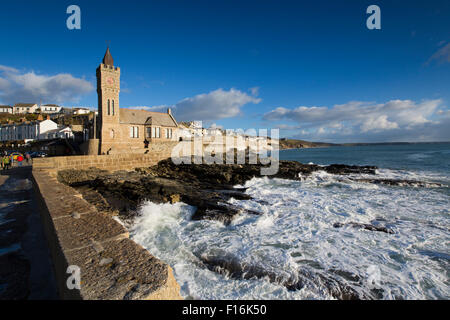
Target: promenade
[25, 266]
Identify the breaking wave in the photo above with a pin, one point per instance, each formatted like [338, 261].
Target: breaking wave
[294, 249]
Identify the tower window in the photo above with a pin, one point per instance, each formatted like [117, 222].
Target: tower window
[109, 107]
[113, 107]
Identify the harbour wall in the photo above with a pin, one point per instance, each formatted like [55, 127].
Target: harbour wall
[95, 246]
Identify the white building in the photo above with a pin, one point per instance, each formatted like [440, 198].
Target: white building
[61, 133]
[65, 110]
[213, 132]
[6, 109]
[79, 111]
[190, 130]
[50, 108]
[25, 108]
[33, 130]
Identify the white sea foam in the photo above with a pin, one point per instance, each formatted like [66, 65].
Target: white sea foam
[296, 231]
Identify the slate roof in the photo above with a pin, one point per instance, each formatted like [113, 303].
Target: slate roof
[108, 59]
[132, 116]
[24, 105]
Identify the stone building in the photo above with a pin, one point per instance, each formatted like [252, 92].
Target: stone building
[122, 130]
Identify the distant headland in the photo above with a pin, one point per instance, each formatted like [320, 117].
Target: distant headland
[298, 144]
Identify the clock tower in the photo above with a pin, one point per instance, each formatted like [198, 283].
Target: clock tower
[108, 88]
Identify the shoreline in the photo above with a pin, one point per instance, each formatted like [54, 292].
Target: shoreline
[209, 188]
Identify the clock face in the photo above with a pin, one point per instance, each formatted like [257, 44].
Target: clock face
[110, 80]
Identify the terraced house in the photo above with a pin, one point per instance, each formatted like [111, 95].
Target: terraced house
[33, 130]
[124, 130]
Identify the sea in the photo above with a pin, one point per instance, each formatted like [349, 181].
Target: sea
[296, 231]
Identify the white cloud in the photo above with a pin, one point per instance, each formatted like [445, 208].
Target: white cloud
[217, 104]
[161, 108]
[378, 124]
[363, 121]
[215, 126]
[286, 126]
[254, 91]
[442, 55]
[31, 87]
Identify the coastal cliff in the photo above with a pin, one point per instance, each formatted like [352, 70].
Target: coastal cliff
[299, 144]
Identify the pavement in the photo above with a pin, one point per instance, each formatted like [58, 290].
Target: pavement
[25, 265]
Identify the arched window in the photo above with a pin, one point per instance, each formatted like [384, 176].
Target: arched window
[113, 107]
[109, 108]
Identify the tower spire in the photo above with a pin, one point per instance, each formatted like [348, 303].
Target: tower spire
[108, 59]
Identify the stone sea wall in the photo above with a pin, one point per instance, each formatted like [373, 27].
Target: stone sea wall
[111, 265]
[114, 162]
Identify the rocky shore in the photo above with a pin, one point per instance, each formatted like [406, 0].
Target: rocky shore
[209, 188]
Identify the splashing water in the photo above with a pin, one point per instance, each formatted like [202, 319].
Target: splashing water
[296, 232]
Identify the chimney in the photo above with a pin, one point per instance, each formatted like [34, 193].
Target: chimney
[169, 111]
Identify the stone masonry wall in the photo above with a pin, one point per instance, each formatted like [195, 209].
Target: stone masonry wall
[114, 162]
[111, 265]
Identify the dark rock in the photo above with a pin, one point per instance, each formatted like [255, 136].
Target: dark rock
[306, 277]
[207, 187]
[365, 226]
[402, 183]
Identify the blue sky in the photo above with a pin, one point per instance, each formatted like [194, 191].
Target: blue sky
[311, 68]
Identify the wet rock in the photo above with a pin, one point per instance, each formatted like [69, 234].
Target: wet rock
[365, 226]
[401, 183]
[306, 277]
[205, 186]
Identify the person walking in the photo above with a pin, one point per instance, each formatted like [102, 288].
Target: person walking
[27, 156]
[7, 162]
[19, 160]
